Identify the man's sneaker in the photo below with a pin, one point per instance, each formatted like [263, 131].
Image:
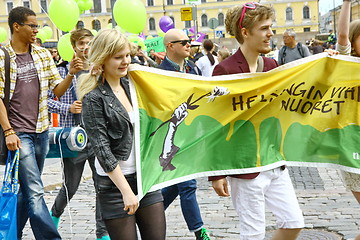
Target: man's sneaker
[56, 220]
[202, 235]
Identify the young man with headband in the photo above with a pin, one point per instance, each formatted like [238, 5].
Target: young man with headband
[251, 25]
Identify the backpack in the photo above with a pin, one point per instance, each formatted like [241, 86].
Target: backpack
[299, 48]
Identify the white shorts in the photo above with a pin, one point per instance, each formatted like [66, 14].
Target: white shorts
[272, 188]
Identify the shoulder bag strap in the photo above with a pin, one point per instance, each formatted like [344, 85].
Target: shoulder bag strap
[260, 64]
[7, 79]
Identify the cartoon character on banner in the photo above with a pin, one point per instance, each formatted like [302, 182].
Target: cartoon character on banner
[180, 113]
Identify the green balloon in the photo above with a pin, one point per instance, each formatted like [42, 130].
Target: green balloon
[48, 31]
[141, 43]
[3, 34]
[42, 35]
[160, 33]
[120, 29]
[81, 5]
[94, 32]
[64, 14]
[64, 47]
[133, 38]
[88, 4]
[130, 15]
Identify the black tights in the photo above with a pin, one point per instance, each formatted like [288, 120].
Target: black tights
[150, 221]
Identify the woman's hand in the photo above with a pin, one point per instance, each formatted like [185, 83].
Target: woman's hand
[131, 203]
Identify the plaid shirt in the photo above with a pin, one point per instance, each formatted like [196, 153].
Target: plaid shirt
[48, 76]
[62, 106]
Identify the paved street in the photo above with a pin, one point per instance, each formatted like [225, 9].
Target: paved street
[330, 211]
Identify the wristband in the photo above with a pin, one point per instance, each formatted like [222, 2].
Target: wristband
[12, 132]
[8, 130]
[71, 75]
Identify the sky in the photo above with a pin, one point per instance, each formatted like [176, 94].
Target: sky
[326, 5]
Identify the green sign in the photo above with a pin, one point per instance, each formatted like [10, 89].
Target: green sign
[213, 23]
[155, 43]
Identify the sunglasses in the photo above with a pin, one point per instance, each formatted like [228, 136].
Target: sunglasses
[33, 26]
[183, 42]
[249, 5]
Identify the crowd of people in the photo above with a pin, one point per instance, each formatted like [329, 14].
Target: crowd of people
[92, 90]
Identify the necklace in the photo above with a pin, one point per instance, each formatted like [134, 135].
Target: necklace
[116, 91]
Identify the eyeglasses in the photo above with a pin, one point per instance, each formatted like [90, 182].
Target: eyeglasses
[33, 26]
[249, 5]
[183, 42]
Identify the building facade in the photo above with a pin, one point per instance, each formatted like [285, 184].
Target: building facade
[302, 16]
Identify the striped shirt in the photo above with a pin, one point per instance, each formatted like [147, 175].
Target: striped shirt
[47, 73]
[62, 106]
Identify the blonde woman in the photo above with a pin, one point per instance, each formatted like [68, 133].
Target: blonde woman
[109, 121]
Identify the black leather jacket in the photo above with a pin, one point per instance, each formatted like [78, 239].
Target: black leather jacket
[108, 125]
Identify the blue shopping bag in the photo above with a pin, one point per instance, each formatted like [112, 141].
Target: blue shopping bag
[8, 197]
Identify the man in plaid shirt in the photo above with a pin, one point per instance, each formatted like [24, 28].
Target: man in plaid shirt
[25, 124]
[69, 109]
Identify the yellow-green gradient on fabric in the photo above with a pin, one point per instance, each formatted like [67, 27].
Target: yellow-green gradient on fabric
[305, 113]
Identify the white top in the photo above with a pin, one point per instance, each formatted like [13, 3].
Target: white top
[205, 66]
[127, 167]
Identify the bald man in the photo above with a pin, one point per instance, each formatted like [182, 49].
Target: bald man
[177, 46]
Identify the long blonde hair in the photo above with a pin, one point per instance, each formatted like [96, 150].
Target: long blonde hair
[107, 43]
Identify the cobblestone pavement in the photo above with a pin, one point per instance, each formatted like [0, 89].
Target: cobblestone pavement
[330, 211]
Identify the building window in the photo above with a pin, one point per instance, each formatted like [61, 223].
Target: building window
[150, 2]
[221, 19]
[173, 19]
[289, 14]
[80, 25]
[26, 4]
[97, 6]
[274, 31]
[306, 12]
[152, 25]
[112, 4]
[96, 25]
[307, 29]
[170, 2]
[220, 0]
[187, 24]
[43, 4]
[204, 20]
[10, 6]
[203, 1]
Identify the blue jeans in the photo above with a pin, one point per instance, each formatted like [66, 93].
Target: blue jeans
[189, 205]
[31, 203]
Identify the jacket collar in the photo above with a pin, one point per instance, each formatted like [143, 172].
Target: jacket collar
[242, 63]
[106, 90]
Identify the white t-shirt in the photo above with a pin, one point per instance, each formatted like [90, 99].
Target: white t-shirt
[128, 166]
[204, 65]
